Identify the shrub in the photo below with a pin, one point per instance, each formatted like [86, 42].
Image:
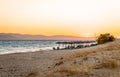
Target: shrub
[103, 38]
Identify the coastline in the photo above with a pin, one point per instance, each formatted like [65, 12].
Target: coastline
[22, 63]
[51, 63]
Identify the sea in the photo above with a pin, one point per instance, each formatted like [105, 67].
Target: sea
[17, 46]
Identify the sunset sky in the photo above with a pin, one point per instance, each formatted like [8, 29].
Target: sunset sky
[85, 18]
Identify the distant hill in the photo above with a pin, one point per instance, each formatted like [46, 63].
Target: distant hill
[13, 36]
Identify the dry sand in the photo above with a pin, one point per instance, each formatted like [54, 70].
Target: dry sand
[98, 61]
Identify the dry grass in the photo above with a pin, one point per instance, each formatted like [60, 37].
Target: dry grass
[106, 59]
[106, 56]
[111, 64]
[69, 71]
[80, 54]
[76, 54]
[100, 48]
[32, 74]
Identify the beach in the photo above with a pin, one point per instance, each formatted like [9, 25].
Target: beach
[18, 64]
[59, 38]
[98, 61]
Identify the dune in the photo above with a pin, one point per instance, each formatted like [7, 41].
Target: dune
[98, 61]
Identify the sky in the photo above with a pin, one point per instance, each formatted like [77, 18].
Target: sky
[86, 18]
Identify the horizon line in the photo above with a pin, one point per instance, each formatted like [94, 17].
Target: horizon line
[45, 35]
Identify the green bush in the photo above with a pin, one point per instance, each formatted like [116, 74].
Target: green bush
[103, 38]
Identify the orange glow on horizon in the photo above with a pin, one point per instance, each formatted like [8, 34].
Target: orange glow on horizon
[86, 18]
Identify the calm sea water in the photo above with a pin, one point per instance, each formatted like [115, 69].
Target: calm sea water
[25, 46]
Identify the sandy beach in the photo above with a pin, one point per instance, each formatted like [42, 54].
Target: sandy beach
[98, 61]
[18, 64]
[59, 38]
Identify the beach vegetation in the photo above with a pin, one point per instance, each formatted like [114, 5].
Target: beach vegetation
[108, 64]
[69, 71]
[103, 38]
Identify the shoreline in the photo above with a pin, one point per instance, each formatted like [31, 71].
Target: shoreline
[22, 63]
[62, 62]
[5, 53]
[8, 53]
[47, 50]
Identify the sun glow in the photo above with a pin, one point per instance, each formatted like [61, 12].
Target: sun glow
[60, 17]
[87, 35]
